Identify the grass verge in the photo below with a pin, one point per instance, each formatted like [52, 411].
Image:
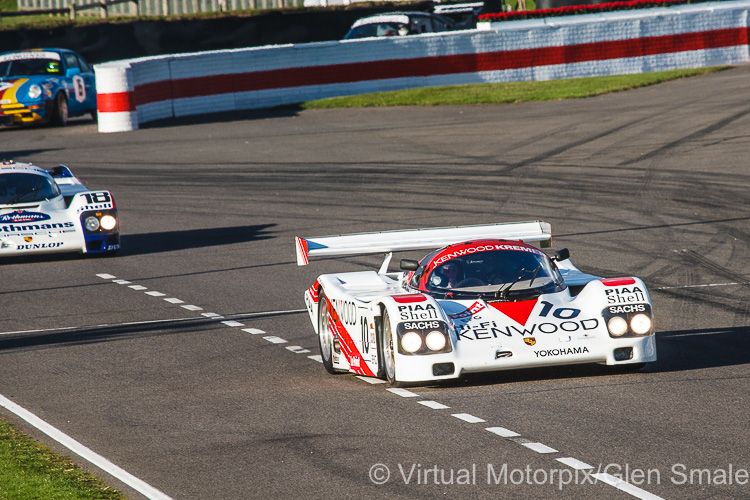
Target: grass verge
[503, 93]
[31, 470]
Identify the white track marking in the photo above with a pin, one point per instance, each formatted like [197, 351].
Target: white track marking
[468, 418]
[402, 392]
[369, 380]
[275, 340]
[192, 308]
[539, 447]
[298, 349]
[626, 487]
[254, 331]
[233, 323]
[121, 282]
[503, 432]
[99, 461]
[316, 357]
[574, 463]
[138, 287]
[738, 283]
[212, 315]
[173, 300]
[434, 405]
[154, 293]
[105, 276]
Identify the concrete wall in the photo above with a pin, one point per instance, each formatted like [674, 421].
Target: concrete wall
[136, 91]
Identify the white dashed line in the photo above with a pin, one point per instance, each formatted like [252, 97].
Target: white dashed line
[574, 463]
[138, 287]
[212, 315]
[121, 282]
[626, 487]
[254, 331]
[468, 418]
[316, 357]
[434, 405]
[173, 300]
[503, 432]
[192, 308]
[86, 453]
[402, 392]
[233, 323]
[155, 294]
[275, 340]
[105, 276]
[298, 349]
[539, 447]
[370, 380]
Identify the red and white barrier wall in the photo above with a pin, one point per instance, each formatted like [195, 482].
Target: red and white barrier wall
[136, 91]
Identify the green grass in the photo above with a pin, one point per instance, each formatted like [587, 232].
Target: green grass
[502, 93]
[31, 470]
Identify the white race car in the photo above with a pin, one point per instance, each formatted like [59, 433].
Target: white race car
[487, 301]
[44, 211]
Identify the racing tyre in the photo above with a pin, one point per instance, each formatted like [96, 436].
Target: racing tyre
[386, 352]
[60, 110]
[325, 335]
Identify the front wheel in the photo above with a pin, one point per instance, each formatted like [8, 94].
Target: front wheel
[60, 110]
[386, 352]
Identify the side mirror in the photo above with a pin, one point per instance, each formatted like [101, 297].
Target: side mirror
[409, 265]
[562, 254]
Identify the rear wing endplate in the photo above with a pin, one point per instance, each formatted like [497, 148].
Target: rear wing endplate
[418, 239]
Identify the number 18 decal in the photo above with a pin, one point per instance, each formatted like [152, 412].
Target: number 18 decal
[100, 197]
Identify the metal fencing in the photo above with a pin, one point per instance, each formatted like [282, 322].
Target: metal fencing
[105, 8]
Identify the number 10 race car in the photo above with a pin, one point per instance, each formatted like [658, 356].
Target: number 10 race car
[44, 211]
[486, 300]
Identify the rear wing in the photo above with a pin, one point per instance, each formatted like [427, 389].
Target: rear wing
[417, 239]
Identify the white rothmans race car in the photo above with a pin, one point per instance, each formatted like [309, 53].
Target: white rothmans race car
[45, 211]
[487, 301]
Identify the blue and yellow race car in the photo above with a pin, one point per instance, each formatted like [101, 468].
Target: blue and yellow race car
[45, 85]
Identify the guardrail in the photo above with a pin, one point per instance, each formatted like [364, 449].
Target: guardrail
[130, 92]
[144, 7]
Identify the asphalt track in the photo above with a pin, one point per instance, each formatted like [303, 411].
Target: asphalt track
[652, 183]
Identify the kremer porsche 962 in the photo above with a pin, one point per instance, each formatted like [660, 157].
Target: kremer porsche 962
[487, 299]
[43, 211]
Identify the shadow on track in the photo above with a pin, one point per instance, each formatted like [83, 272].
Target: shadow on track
[225, 117]
[170, 241]
[167, 241]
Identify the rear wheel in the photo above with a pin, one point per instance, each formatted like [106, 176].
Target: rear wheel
[325, 335]
[60, 110]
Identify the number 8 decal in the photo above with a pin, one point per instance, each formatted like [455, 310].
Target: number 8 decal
[80, 88]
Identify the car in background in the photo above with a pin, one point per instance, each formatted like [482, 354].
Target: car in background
[404, 23]
[51, 211]
[45, 86]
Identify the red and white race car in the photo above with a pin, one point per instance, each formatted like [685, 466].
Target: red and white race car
[486, 300]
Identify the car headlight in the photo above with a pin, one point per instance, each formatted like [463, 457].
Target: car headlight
[91, 224]
[411, 342]
[617, 326]
[108, 222]
[35, 91]
[640, 324]
[435, 340]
